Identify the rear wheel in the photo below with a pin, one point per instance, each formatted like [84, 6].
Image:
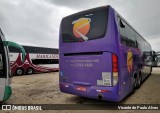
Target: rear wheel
[30, 71]
[138, 81]
[150, 71]
[133, 84]
[19, 71]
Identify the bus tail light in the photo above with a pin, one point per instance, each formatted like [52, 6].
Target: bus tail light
[115, 69]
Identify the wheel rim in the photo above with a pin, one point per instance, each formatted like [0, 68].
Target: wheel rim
[19, 71]
[139, 81]
[134, 83]
[30, 71]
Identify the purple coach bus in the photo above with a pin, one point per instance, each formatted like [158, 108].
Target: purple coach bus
[101, 55]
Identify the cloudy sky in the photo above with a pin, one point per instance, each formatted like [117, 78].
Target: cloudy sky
[36, 22]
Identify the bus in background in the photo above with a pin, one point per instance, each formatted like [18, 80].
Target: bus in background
[5, 72]
[101, 55]
[37, 60]
[156, 59]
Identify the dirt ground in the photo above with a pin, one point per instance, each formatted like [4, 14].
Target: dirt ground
[43, 89]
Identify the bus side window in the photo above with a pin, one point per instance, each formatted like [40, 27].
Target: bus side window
[45, 61]
[123, 32]
[131, 35]
[140, 42]
[1, 64]
[127, 34]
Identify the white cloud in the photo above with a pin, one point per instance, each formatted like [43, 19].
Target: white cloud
[32, 22]
[155, 42]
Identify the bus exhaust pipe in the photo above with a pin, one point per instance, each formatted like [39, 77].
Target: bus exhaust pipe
[100, 96]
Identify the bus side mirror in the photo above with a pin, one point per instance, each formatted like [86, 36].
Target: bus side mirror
[13, 44]
[121, 24]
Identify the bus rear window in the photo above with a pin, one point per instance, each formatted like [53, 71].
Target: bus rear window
[86, 25]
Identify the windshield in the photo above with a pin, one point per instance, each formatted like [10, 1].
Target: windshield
[86, 25]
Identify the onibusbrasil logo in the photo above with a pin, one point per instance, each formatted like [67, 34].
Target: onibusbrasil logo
[129, 60]
[81, 27]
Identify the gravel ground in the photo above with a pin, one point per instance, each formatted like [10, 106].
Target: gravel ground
[43, 89]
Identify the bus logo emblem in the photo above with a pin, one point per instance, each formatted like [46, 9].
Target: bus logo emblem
[129, 61]
[81, 27]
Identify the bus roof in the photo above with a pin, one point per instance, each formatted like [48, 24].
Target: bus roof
[1, 32]
[92, 9]
[33, 49]
[2, 35]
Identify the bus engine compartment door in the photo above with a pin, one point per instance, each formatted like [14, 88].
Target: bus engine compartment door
[85, 68]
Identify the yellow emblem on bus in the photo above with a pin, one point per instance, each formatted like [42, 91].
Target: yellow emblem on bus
[81, 27]
[129, 61]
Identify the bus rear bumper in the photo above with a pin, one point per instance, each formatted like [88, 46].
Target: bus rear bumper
[95, 92]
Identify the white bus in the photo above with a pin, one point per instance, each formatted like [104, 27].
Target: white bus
[156, 59]
[5, 72]
[37, 60]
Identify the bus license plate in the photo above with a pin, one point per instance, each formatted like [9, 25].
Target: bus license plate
[81, 88]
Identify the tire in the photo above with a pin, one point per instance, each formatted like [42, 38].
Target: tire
[133, 85]
[30, 71]
[150, 71]
[19, 71]
[138, 81]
